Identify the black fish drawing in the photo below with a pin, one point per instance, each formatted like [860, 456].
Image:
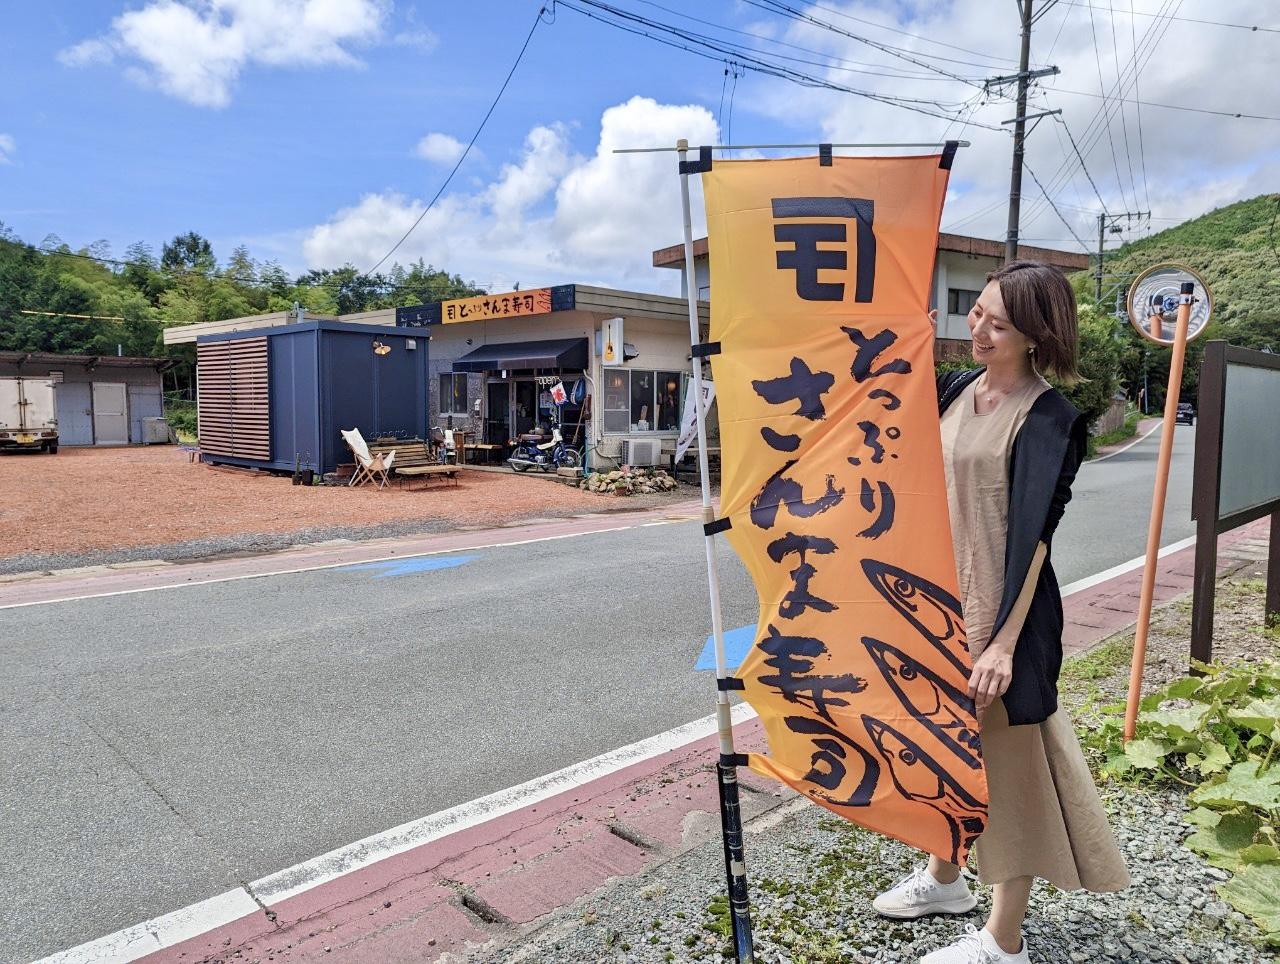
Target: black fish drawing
[946, 711]
[933, 611]
[922, 779]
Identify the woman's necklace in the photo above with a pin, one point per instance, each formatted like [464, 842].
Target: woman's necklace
[989, 397]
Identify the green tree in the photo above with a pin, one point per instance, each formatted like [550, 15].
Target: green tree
[188, 253]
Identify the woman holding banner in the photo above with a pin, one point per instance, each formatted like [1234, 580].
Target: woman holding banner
[1011, 448]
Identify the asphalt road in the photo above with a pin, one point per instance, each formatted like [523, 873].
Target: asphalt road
[163, 747]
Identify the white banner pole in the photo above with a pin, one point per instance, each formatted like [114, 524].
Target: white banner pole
[727, 768]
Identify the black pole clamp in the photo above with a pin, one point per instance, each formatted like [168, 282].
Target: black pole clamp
[733, 759]
[701, 165]
[705, 349]
[719, 525]
[727, 683]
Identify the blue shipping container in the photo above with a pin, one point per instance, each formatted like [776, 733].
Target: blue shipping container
[324, 376]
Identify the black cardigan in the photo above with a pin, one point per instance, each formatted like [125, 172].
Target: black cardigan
[1047, 452]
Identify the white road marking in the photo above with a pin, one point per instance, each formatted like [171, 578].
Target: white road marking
[317, 568]
[1088, 582]
[158, 933]
[1142, 438]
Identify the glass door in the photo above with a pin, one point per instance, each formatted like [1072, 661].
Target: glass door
[526, 405]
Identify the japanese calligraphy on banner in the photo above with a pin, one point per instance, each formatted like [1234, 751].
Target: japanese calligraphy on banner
[833, 483]
[486, 307]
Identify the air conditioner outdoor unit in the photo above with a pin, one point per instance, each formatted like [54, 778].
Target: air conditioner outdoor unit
[641, 451]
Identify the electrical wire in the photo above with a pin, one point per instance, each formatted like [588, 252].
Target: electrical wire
[1097, 56]
[784, 10]
[1212, 23]
[474, 137]
[1084, 167]
[1061, 218]
[1124, 121]
[716, 50]
[857, 67]
[1142, 147]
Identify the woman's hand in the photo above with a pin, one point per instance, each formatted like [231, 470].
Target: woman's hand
[991, 675]
[933, 320]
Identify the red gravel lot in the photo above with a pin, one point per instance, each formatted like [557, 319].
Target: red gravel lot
[85, 499]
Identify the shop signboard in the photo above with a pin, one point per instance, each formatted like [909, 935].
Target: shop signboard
[513, 304]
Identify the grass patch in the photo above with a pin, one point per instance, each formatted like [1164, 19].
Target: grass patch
[1126, 431]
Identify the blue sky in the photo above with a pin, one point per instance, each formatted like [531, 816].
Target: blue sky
[292, 126]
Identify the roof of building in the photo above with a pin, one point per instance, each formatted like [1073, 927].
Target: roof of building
[673, 257]
[585, 298]
[20, 358]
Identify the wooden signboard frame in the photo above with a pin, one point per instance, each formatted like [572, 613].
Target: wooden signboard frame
[1207, 490]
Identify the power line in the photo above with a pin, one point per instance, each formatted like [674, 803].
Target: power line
[1142, 147]
[1062, 120]
[489, 113]
[1124, 120]
[714, 49]
[856, 68]
[1103, 87]
[782, 9]
[1065, 222]
[1212, 23]
[1239, 115]
[914, 36]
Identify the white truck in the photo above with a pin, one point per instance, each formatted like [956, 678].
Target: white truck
[28, 414]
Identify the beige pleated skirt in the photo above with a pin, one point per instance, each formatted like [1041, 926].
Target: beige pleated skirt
[1046, 819]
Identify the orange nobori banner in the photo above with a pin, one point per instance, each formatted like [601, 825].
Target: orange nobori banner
[833, 483]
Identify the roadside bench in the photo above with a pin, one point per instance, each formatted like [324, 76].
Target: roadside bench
[414, 460]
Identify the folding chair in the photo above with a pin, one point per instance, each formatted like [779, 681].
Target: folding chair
[369, 468]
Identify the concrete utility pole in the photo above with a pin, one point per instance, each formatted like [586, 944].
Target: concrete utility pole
[1024, 76]
[1019, 136]
[1106, 220]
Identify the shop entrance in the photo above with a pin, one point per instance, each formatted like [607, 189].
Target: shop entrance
[526, 405]
[497, 422]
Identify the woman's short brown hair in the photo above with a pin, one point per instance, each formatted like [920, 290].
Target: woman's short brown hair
[1041, 304]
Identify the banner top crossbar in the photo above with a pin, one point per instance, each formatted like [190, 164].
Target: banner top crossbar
[764, 147]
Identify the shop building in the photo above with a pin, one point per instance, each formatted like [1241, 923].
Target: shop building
[622, 356]
[959, 275]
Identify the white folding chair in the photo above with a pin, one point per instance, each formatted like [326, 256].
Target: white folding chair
[369, 468]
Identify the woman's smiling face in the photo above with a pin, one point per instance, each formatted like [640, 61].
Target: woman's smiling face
[996, 343]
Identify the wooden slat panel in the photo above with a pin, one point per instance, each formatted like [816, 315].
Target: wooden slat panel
[234, 398]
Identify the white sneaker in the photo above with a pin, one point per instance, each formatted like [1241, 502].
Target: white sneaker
[919, 894]
[976, 947]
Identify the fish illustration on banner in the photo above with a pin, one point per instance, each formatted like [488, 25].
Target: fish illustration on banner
[833, 486]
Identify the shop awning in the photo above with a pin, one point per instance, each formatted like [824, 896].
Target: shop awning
[552, 353]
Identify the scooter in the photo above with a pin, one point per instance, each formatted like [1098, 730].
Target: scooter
[536, 451]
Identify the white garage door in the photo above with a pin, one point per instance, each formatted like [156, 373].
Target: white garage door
[110, 414]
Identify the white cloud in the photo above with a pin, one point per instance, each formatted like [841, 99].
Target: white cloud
[8, 147]
[195, 50]
[420, 39]
[552, 216]
[439, 148]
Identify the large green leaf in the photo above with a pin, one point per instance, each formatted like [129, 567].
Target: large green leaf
[1221, 845]
[1242, 785]
[1183, 689]
[1145, 754]
[1177, 723]
[1260, 853]
[1255, 891]
[1214, 758]
[1259, 716]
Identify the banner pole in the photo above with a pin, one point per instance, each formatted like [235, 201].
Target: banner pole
[1186, 297]
[727, 766]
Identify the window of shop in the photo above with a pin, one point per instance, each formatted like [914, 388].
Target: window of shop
[960, 300]
[453, 393]
[640, 400]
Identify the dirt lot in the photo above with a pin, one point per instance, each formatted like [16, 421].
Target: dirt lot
[67, 509]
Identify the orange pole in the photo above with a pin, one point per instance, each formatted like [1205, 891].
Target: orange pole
[1157, 512]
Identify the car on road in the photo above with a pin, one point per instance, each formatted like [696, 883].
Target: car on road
[1186, 413]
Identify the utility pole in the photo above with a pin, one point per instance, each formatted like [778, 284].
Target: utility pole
[1019, 136]
[1023, 77]
[1105, 221]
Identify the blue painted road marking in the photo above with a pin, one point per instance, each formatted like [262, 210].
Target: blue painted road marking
[737, 643]
[408, 567]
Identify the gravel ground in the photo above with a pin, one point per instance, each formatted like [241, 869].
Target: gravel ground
[87, 507]
[813, 875]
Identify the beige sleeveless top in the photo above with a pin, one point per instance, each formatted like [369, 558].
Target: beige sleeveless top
[975, 454]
